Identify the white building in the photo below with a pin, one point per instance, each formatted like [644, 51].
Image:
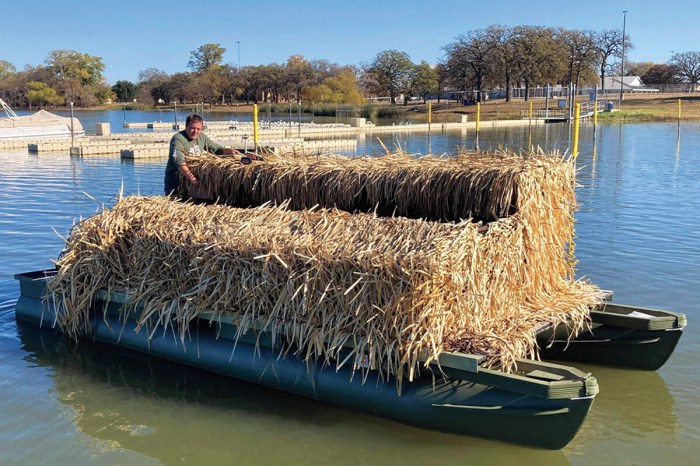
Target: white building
[629, 84]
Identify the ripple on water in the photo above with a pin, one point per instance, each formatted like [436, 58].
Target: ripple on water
[638, 234]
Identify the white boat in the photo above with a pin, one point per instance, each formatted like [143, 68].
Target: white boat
[39, 125]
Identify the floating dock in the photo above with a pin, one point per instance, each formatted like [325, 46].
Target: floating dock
[276, 136]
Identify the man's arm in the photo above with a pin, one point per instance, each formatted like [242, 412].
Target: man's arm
[178, 155]
[185, 170]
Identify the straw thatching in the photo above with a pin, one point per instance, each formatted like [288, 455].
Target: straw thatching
[398, 289]
[477, 186]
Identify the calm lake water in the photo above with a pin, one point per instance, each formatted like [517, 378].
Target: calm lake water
[638, 234]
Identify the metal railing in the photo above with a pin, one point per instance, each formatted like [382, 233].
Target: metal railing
[541, 114]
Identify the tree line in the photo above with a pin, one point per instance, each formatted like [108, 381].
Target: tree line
[482, 59]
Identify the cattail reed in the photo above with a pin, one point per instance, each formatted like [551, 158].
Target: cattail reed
[456, 254]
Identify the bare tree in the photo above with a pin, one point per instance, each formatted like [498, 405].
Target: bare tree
[505, 54]
[582, 52]
[608, 42]
[687, 65]
[441, 78]
[469, 61]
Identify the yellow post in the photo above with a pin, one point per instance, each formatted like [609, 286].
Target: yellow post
[577, 117]
[530, 114]
[679, 109]
[478, 115]
[255, 126]
[430, 113]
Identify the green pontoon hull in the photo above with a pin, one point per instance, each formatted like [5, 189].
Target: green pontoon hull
[618, 335]
[543, 405]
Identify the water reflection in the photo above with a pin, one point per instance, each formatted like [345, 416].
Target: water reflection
[176, 414]
[631, 404]
[517, 138]
[637, 234]
[632, 408]
[594, 157]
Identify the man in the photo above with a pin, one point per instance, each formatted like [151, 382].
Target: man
[190, 141]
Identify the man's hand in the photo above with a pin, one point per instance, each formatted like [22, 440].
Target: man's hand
[227, 152]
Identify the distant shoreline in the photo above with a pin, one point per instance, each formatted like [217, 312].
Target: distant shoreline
[635, 107]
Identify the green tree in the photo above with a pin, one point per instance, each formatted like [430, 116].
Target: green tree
[341, 88]
[255, 80]
[40, 94]
[151, 85]
[318, 93]
[178, 88]
[298, 74]
[212, 83]
[425, 80]
[125, 91]
[102, 93]
[75, 71]
[13, 88]
[6, 69]
[206, 57]
[541, 59]
[391, 69]
[660, 74]
[210, 78]
[274, 83]
[233, 87]
[637, 68]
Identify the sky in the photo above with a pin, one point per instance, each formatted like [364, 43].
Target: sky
[132, 36]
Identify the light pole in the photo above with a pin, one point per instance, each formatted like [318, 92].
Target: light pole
[622, 64]
[238, 44]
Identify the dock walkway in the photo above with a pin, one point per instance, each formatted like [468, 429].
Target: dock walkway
[277, 136]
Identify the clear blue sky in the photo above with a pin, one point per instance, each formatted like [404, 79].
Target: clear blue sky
[131, 36]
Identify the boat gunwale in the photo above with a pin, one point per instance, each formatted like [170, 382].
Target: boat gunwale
[534, 378]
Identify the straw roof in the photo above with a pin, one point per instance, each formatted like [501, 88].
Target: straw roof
[397, 288]
[479, 186]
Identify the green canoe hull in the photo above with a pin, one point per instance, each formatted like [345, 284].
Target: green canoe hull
[535, 410]
[618, 335]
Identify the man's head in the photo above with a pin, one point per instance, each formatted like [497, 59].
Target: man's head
[193, 126]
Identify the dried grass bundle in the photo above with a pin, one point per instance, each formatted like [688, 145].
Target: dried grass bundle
[471, 185]
[396, 288]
